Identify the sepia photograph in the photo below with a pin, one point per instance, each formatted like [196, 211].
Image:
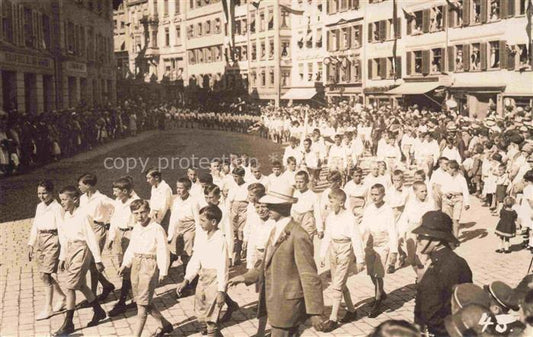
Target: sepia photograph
[266, 168]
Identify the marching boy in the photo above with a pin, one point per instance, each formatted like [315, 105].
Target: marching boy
[98, 208]
[184, 220]
[344, 241]
[147, 258]
[122, 223]
[45, 240]
[78, 247]
[210, 262]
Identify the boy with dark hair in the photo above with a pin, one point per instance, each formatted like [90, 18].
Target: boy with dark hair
[210, 261]
[98, 208]
[147, 258]
[78, 247]
[44, 240]
[122, 223]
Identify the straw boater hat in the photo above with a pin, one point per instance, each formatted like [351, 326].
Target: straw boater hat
[467, 320]
[437, 225]
[279, 194]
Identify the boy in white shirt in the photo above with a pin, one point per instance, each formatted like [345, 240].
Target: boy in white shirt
[293, 150]
[381, 241]
[45, 240]
[290, 171]
[257, 176]
[338, 156]
[78, 247]
[184, 221]
[306, 211]
[455, 194]
[160, 197]
[238, 204]
[98, 208]
[147, 258]
[417, 205]
[343, 238]
[276, 177]
[356, 192]
[122, 223]
[311, 160]
[210, 261]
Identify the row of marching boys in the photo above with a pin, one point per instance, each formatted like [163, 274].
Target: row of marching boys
[69, 236]
[72, 237]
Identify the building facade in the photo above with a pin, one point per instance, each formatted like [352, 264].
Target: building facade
[56, 54]
[473, 52]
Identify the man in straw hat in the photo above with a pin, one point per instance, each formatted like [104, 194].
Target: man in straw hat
[434, 292]
[290, 287]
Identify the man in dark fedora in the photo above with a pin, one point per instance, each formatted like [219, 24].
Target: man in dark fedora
[290, 289]
[444, 269]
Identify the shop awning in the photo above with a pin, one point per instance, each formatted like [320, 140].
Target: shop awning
[414, 88]
[299, 93]
[519, 88]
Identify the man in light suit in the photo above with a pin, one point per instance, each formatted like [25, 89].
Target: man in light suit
[290, 289]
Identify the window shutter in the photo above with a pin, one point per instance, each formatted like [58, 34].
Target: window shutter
[451, 58]
[337, 39]
[511, 60]
[425, 20]
[409, 63]
[451, 17]
[409, 26]
[398, 28]
[426, 60]
[511, 8]
[348, 41]
[484, 11]
[483, 52]
[467, 6]
[444, 16]
[504, 8]
[466, 57]
[383, 67]
[503, 54]
[398, 65]
[370, 32]
[383, 30]
[370, 70]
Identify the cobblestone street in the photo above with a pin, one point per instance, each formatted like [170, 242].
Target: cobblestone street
[21, 291]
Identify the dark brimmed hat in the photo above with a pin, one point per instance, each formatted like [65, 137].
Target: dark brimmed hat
[437, 225]
[503, 294]
[469, 293]
[467, 319]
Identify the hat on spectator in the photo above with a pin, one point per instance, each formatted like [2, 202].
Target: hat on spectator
[279, 194]
[489, 122]
[519, 109]
[468, 320]
[503, 294]
[469, 293]
[437, 225]
[451, 127]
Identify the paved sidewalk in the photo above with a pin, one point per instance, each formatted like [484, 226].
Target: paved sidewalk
[21, 291]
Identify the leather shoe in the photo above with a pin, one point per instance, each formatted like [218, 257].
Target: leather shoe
[118, 309]
[227, 315]
[105, 292]
[374, 312]
[98, 315]
[329, 325]
[349, 317]
[160, 332]
[65, 330]
[390, 269]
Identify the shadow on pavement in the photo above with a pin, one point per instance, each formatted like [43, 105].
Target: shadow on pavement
[473, 234]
